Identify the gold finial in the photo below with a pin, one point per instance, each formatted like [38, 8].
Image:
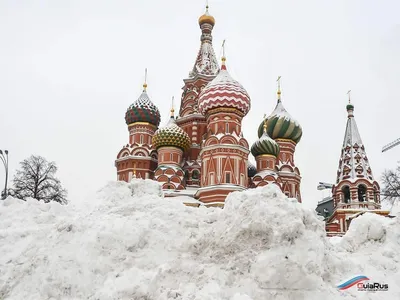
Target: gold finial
[145, 80]
[279, 87]
[172, 107]
[265, 123]
[348, 93]
[223, 56]
[206, 5]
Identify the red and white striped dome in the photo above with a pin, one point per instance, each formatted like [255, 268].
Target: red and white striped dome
[224, 92]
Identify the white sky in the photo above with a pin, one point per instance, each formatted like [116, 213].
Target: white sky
[69, 70]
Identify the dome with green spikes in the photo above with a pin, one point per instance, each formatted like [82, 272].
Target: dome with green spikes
[171, 136]
[265, 145]
[281, 125]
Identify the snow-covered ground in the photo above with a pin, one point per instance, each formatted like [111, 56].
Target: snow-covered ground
[128, 242]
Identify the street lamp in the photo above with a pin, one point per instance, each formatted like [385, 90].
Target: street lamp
[4, 159]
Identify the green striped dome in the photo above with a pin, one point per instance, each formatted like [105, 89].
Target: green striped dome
[281, 125]
[265, 145]
[171, 136]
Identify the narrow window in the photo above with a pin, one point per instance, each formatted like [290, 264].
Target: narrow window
[141, 139]
[227, 128]
[212, 181]
[228, 177]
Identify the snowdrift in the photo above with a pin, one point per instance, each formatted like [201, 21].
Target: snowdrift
[128, 242]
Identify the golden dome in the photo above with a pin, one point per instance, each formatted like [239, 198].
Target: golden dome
[206, 18]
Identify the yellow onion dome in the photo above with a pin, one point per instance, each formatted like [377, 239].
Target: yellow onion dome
[206, 18]
[171, 136]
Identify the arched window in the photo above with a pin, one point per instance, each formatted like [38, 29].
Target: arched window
[362, 193]
[346, 194]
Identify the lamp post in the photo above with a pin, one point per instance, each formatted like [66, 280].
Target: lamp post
[4, 159]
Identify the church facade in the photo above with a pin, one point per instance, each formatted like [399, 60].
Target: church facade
[202, 152]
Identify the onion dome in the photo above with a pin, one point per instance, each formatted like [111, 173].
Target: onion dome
[280, 124]
[265, 145]
[171, 136]
[206, 18]
[143, 110]
[224, 92]
[251, 169]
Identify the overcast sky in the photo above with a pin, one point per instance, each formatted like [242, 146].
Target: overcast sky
[70, 69]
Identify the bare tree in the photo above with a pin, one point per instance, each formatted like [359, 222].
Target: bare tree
[37, 179]
[391, 185]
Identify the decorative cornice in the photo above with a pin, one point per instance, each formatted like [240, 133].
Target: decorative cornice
[266, 156]
[224, 109]
[142, 123]
[225, 146]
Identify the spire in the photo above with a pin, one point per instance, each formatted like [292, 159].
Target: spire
[353, 163]
[206, 61]
[278, 93]
[223, 59]
[145, 80]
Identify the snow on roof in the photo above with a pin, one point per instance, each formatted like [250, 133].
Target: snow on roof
[221, 135]
[173, 167]
[206, 61]
[281, 112]
[266, 173]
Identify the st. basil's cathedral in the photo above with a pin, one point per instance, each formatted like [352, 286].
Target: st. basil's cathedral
[202, 152]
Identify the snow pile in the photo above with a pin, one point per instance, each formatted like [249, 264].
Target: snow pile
[128, 242]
